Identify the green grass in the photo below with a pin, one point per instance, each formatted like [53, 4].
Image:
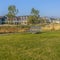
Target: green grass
[44, 46]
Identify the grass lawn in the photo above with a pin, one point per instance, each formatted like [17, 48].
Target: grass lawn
[44, 46]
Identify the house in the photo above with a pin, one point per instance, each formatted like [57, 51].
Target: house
[2, 19]
[22, 19]
[18, 20]
[55, 20]
[51, 20]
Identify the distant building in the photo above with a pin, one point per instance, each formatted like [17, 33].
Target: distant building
[23, 20]
[55, 20]
[3, 19]
[18, 20]
[51, 20]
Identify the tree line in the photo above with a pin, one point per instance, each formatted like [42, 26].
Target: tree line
[34, 17]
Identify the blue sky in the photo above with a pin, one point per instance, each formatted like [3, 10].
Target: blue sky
[46, 7]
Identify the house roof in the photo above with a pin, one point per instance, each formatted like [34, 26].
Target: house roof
[1, 17]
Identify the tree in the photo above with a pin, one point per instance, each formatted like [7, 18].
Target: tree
[34, 12]
[34, 17]
[12, 12]
[33, 20]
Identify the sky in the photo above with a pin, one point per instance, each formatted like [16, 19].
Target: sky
[46, 7]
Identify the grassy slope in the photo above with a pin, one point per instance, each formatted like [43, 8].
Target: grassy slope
[45, 46]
